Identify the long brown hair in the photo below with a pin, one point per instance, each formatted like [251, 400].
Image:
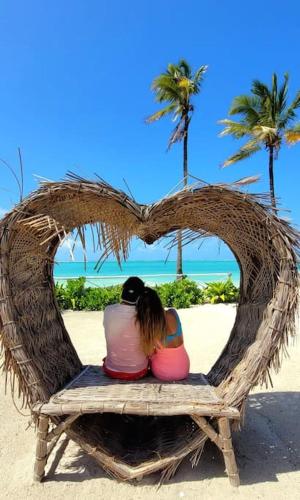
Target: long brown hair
[150, 315]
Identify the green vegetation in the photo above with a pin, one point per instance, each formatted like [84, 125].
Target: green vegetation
[266, 120]
[75, 295]
[175, 88]
[221, 291]
[180, 294]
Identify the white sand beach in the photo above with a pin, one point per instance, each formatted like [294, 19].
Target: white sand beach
[267, 448]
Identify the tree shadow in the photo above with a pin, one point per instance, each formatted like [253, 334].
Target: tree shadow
[270, 439]
[74, 466]
[267, 445]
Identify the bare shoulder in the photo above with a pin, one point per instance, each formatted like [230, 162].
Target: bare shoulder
[171, 320]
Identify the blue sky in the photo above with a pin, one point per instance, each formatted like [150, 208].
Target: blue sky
[75, 90]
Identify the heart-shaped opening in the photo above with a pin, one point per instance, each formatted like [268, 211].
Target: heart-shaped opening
[134, 440]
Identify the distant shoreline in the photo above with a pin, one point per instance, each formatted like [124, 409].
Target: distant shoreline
[146, 260]
[152, 271]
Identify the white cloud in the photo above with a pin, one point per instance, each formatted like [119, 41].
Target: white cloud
[3, 211]
[69, 247]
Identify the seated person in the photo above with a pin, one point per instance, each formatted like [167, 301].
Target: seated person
[161, 337]
[125, 357]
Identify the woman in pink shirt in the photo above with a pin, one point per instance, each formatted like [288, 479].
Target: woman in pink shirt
[125, 357]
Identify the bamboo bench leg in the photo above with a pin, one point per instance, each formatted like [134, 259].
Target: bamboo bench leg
[41, 454]
[228, 451]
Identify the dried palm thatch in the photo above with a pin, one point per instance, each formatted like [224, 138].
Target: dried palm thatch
[39, 353]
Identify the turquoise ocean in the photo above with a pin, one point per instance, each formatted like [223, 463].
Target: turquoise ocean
[151, 271]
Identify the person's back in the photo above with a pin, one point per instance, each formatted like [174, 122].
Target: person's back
[161, 337]
[125, 357]
[124, 352]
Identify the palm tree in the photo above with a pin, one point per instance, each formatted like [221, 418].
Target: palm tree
[266, 120]
[175, 88]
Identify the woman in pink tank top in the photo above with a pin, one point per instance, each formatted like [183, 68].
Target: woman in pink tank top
[162, 338]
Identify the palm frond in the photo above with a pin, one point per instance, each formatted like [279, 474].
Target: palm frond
[247, 150]
[161, 113]
[242, 103]
[296, 102]
[264, 134]
[282, 94]
[261, 90]
[178, 133]
[199, 75]
[166, 89]
[236, 129]
[274, 94]
[248, 107]
[289, 114]
[171, 69]
[292, 135]
[185, 68]
[245, 181]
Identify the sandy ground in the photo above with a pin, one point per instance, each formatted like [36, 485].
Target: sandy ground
[267, 448]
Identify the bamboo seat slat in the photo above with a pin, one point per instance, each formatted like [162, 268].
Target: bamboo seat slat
[92, 391]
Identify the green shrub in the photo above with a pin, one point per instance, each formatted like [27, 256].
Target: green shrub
[96, 299]
[221, 291]
[93, 300]
[74, 295]
[179, 294]
[69, 295]
[76, 291]
[63, 299]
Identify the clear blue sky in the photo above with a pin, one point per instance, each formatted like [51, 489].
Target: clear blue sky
[75, 89]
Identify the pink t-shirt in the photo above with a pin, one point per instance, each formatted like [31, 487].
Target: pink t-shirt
[124, 353]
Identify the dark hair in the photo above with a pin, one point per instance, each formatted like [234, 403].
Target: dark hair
[132, 289]
[150, 315]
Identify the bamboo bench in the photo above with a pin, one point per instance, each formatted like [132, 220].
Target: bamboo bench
[93, 392]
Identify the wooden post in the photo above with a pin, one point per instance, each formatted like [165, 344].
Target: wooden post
[41, 453]
[228, 452]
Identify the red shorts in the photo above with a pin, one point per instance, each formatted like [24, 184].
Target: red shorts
[123, 375]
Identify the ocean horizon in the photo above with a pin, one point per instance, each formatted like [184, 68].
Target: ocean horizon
[151, 271]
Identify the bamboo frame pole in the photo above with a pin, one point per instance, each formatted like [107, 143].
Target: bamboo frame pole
[208, 430]
[228, 451]
[41, 454]
[60, 428]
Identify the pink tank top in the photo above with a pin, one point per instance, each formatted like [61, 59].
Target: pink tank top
[124, 353]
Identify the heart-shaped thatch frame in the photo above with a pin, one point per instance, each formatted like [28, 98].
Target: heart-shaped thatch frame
[36, 344]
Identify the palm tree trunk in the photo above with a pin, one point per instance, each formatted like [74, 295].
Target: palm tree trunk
[271, 176]
[179, 269]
